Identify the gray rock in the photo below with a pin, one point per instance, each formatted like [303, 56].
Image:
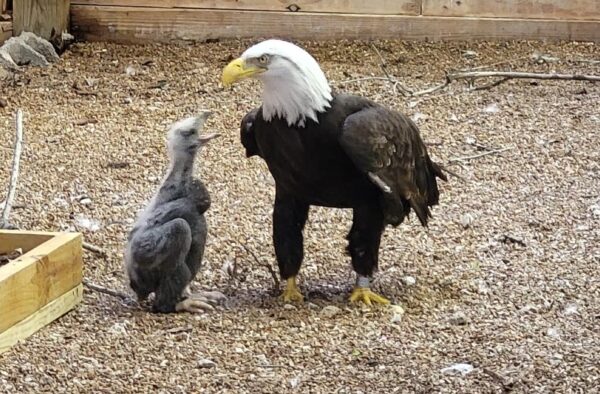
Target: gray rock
[459, 319]
[458, 369]
[6, 61]
[206, 363]
[21, 53]
[330, 311]
[40, 45]
[398, 312]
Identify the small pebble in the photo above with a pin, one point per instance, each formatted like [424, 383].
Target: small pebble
[466, 220]
[397, 313]
[206, 363]
[553, 332]
[459, 319]
[458, 369]
[330, 311]
[571, 309]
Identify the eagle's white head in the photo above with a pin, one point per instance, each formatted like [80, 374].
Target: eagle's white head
[295, 87]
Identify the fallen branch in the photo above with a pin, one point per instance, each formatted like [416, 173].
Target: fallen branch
[507, 387]
[489, 85]
[491, 152]
[14, 173]
[454, 174]
[522, 75]
[268, 266]
[472, 75]
[101, 289]
[433, 89]
[586, 61]
[362, 79]
[94, 248]
[391, 79]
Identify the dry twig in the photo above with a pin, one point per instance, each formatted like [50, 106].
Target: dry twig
[472, 75]
[490, 152]
[268, 266]
[94, 248]
[101, 289]
[395, 82]
[14, 173]
[523, 75]
[506, 387]
[586, 61]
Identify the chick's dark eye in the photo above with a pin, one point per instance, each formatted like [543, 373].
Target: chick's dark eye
[187, 133]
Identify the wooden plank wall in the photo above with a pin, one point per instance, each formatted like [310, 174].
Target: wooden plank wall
[526, 9]
[165, 20]
[46, 18]
[6, 25]
[376, 7]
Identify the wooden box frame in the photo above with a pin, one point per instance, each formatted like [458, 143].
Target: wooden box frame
[39, 286]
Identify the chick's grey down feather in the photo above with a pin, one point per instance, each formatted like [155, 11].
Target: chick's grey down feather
[165, 247]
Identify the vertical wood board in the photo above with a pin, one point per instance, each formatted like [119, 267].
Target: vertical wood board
[38, 277]
[372, 7]
[46, 18]
[525, 9]
[41, 318]
[5, 34]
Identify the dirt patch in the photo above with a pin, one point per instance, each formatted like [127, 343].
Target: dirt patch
[523, 314]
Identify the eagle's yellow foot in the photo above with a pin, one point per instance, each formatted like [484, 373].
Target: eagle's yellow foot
[292, 292]
[365, 295]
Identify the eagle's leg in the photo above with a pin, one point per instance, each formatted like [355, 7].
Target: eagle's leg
[289, 218]
[364, 239]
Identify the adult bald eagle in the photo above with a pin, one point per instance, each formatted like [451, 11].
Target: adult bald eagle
[331, 150]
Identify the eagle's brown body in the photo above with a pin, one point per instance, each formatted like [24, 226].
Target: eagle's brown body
[327, 164]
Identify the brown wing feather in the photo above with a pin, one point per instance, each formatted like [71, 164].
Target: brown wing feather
[387, 144]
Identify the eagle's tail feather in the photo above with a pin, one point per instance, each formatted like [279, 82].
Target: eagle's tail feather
[427, 189]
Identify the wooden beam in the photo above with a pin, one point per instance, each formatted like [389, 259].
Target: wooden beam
[5, 31]
[525, 9]
[39, 276]
[133, 24]
[13, 239]
[46, 18]
[374, 7]
[41, 318]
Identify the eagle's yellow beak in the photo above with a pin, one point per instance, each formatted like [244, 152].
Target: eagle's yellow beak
[238, 69]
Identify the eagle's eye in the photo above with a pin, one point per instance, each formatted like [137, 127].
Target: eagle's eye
[264, 59]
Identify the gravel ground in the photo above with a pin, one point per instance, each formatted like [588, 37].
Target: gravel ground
[504, 280]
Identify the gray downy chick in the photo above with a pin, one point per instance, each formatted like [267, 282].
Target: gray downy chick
[165, 247]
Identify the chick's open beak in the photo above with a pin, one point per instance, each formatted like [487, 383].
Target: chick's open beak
[238, 69]
[207, 137]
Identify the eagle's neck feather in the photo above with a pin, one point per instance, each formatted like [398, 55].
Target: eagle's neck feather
[296, 96]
